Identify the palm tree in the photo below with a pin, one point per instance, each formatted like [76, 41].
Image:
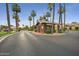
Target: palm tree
[16, 9]
[61, 10]
[30, 19]
[22, 25]
[47, 15]
[41, 18]
[53, 27]
[8, 16]
[44, 17]
[33, 14]
[52, 6]
[64, 15]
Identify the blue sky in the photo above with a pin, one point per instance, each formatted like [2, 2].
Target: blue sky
[72, 12]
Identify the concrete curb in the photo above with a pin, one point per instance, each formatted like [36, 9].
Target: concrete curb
[3, 38]
[54, 34]
[58, 34]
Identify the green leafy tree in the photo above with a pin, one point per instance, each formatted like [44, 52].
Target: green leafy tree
[26, 27]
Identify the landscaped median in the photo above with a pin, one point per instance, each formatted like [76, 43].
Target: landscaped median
[4, 35]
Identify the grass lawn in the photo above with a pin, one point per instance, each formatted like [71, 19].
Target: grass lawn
[4, 33]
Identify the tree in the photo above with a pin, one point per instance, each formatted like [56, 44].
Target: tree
[8, 16]
[53, 27]
[26, 27]
[50, 7]
[16, 9]
[22, 25]
[37, 21]
[47, 15]
[30, 19]
[41, 18]
[44, 18]
[33, 14]
[60, 11]
[64, 15]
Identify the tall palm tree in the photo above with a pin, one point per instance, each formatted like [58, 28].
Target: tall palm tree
[16, 9]
[30, 19]
[51, 7]
[53, 27]
[64, 15]
[60, 11]
[8, 16]
[47, 15]
[33, 14]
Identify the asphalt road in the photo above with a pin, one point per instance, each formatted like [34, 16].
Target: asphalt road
[25, 43]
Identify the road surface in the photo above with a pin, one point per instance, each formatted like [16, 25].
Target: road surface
[25, 43]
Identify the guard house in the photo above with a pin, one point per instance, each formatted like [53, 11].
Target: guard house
[45, 26]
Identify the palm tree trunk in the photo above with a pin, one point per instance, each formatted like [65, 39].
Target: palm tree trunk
[64, 15]
[30, 24]
[53, 18]
[16, 21]
[50, 16]
[59, 25]
[8, 16]
[33, 23]
[47, 19]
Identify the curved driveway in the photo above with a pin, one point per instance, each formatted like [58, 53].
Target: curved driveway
[25, 43]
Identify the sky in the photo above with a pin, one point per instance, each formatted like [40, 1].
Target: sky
[72, 12]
